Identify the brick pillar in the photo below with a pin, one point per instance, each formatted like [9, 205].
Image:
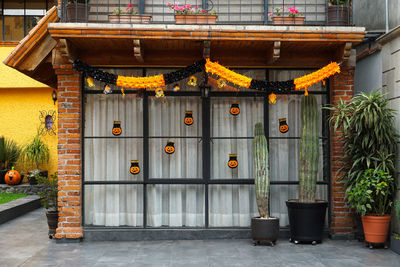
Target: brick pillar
[69, 153]
[341, 87]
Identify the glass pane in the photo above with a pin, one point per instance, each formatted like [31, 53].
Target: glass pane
[102, 110]
[279, 194]
[258, 74]
[51, 3]
[185, 162]
[284, 75]
[35, 7]
[1, 28]
[14, 7]
[13, 28]
[175, 205]
[113, 205]
[183, 84]
[284, 160]
[110, 159]
[167, 115]
[220, 150]
[232, 205]
[31, 22]
[224, 124]
[289, 107]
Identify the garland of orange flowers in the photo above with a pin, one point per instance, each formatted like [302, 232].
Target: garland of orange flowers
[317, 76]
[231, 76]
[141, 82]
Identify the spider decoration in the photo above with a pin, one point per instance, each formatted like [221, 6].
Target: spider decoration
[47, 122]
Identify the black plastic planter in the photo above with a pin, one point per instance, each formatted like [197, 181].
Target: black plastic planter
[265, 229]
[52, 221]
[306, 220]
[395, 244]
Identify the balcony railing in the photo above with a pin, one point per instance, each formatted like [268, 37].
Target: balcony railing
[234, 12]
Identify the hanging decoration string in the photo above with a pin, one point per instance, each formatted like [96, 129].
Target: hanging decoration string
[212, 68]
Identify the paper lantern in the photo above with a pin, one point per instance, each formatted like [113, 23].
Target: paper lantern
[235, 110]
[233, 163]
[169, 148]
[117, 128]
[283, 126]
[188, 118]
[134, 169]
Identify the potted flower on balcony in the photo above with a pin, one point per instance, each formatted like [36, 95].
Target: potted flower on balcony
[48, 193]
[129, 15]
[338, 12]
[372, 198]
[188, 14]
[77, 10]
[307, 214]
[395, 239]
[264, 227]
[291, 16]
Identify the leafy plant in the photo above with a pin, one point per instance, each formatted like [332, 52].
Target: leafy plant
[339, 2]
[261, 170]
[188, 9]
[9, 153]
[369, 137]
[372, 193]
[36, 151]
[48, 191]
[309, 149]
[280, 11]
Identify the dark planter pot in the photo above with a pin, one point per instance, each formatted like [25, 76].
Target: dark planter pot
[265, 229]
[52, 221]
[32, 174]
[338, 15]
[77, 12]
[306, 220]
[395, 244]
[359, 231]
[2, 174]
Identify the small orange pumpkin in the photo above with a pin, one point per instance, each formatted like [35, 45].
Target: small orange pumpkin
[12, 177]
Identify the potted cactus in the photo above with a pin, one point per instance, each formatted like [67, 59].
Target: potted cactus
[264, 227]
[306, 214]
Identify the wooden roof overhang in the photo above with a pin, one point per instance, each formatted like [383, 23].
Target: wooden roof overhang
[156, 45]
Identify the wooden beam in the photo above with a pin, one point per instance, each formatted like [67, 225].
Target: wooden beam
[275, 52]
[206, 49]
[346, 52]
[138, 51]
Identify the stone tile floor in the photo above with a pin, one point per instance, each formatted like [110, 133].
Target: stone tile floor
[24, 242]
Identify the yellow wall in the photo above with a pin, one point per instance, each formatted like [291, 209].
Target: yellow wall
[21, 100]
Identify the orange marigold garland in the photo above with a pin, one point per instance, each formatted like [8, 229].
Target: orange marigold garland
[141, 82]
[231, 76]
[317, 76]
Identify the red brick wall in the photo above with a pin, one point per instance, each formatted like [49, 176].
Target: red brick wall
[69, 153]
[341, 87]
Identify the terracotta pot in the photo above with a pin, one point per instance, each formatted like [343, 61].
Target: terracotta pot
[129, 18]
[376, 228]
[196, 19]
[288, 20]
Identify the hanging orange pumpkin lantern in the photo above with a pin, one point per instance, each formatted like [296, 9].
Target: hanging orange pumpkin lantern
[134, 169]
[12, 177]
[283, 126]
[233, 163]
[235, 110]
[117, 128]
[170, 148]
[188, 118]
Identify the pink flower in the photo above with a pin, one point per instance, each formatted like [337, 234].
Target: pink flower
[196, 7]
[203, 11]
[168, 4]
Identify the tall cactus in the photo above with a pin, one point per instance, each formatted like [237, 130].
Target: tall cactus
[309, 149]
[261, 170]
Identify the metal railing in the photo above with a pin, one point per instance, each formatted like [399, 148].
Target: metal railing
[234, 12]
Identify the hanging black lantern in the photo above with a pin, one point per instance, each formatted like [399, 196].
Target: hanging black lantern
[117, 128]
[54, 96]
[169, 148]
[235, 110]
[188, 118]
[283, 126]
[134, 169]
[233, 163]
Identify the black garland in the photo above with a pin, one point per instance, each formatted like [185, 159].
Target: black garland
[95, 73]
[184, 73]
[272, 87]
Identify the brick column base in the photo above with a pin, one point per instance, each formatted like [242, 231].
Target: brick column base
[69, 153]
[342, 223]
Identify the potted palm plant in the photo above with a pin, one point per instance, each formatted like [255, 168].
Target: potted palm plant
[306, 214]
[77, 10]
[395, 239]
[339, 12]
[372, 197]
[36, 152]
[287, 15]
[9, 154]
[366, 126]
[264, 227]
[48, 193]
